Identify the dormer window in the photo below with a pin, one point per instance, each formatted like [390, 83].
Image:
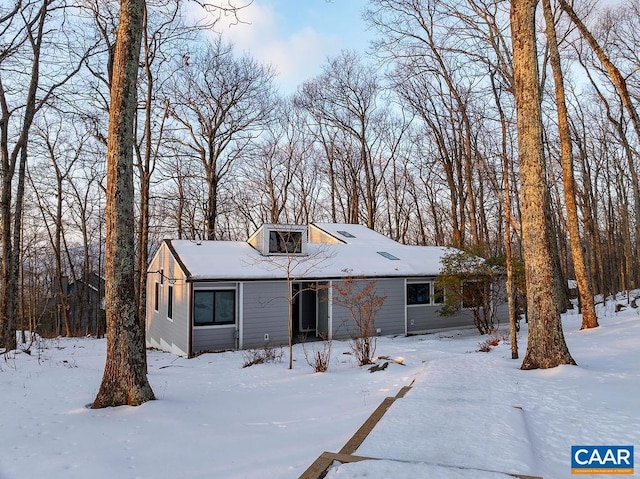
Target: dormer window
[271, 239]
[283, 242]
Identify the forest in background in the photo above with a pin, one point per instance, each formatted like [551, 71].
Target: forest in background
[415, 139]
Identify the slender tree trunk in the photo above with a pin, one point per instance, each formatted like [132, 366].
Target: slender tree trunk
[11, 239]
[589, 318]
[511, 289]
[620, 84]
[63, 304]
[546, 347]
[124, 381]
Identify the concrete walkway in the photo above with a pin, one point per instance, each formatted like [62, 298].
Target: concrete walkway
[493, 413]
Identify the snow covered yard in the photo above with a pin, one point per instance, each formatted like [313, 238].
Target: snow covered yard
[214, 419]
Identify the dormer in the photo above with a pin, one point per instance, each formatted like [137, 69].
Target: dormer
[274, 240]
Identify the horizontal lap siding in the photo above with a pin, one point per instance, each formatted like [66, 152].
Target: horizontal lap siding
[390, 318]
[213, 338]
[265, 312]
[427, 318]
[170, 335]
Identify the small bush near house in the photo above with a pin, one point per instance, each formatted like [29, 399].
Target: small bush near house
[361, 300]
[318, 355]
[492, 342]
[472, 283]
[268, 354]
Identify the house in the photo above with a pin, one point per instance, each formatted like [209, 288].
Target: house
[85, 297]
[217, 295]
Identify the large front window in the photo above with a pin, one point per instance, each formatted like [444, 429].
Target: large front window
[214, 307]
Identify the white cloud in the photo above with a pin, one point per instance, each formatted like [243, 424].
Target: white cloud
[296, 53]
[295, 41]
[300, 56]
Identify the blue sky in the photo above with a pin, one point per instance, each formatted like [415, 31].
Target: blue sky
[297, 36]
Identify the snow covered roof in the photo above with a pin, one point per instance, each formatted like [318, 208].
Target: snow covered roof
[359, 252]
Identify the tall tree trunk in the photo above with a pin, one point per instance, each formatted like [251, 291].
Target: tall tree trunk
[125, 374]
[511, 289]
[546, 347]
[620, 84]
[11, 239]
[589, 318]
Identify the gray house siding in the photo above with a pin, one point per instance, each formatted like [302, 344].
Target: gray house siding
[424, 318]
[261, 304]
[390, 318]
[167, 334]
[213, 338]
[216, 338]
[265, 309]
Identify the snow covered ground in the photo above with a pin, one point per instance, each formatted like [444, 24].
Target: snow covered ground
[469, 414]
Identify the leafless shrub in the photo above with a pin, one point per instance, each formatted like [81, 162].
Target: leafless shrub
[359, 298]
[268, 354]
[318, 355]
[488, 344]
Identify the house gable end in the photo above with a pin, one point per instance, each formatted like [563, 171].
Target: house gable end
[177, 258]
[318, 235]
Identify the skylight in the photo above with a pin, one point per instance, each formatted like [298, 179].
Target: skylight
[387, 255]
[346, 234]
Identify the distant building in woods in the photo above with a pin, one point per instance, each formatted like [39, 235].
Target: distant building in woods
[215, 295]
[85, 297]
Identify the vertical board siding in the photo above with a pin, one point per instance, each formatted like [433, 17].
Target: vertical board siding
[265, 312]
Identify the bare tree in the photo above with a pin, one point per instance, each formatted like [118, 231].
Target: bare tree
[508, 216]
[272, 170]
[546, 346]
[361, 299]
[25, 33]
[441, 52]
[125, 374]
[346, 98]
[63, 147]
[589, 318]
[221, 103]
[296, 265]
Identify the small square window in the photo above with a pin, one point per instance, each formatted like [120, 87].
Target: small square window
[418, 293]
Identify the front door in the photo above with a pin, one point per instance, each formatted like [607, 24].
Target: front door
[307, 318]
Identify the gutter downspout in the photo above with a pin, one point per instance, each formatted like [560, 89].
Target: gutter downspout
[240, 330]
[330, 311]
[190, 321]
